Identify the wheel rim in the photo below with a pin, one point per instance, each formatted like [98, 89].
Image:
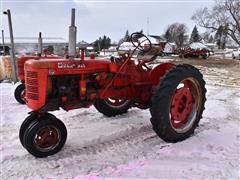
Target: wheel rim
[47, 138]
[185, 105]
[116, 102]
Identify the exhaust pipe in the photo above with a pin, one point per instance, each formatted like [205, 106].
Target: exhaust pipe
[4, 52]
[40, 45]
[72, 37]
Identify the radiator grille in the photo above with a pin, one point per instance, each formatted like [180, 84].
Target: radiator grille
[31, 74]
[32, 85]
[32, 82]
[32, 89]
[32, 96]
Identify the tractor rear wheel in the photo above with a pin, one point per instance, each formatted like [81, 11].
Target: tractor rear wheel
[19, 93]
[45, 136]
[178, 104]
[112, 106]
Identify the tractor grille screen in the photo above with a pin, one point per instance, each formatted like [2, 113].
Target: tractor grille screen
[31, 74]
[32, 85]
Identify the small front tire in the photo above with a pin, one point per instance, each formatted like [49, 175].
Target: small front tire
[45, 137]
[19, 93]
[32, 117]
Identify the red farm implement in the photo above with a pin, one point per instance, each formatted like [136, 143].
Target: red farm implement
[187, 52]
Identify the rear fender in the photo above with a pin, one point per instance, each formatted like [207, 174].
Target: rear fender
[159, 71]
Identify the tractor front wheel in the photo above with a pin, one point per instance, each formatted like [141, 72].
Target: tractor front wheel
[32, 117]
[112, 106]
[178, 104]
[45, 136]
[19, 94]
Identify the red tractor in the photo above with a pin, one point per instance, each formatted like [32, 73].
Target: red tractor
[175, 94]
[19, 92]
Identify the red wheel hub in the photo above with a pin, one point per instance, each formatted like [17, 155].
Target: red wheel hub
[181, 107]
[47, 137]
[115, 101]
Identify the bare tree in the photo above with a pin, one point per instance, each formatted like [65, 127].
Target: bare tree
[223, 14]
[207, 36]
[176, 32]
[221, 37]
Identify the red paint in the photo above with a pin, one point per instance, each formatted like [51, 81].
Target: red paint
[182, 104]
[119, 79]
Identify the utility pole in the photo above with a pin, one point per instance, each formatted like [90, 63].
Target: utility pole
[12, 52]
[148, 26]
[3, 42]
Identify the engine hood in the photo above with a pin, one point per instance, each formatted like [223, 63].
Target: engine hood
[60, 66]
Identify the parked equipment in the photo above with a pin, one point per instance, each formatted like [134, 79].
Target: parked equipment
[194, 50]
[175, 94]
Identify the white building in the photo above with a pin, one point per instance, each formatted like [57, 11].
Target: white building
[28, 45]
[169, 48]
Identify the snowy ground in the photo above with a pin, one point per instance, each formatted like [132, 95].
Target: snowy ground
[125, 147]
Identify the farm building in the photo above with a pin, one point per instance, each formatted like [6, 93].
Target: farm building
[169, 48]
[111, 51]
[28, 45]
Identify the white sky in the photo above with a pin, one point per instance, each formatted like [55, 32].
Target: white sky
[96, 18]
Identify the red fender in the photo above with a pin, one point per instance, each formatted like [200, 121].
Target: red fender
[159, 71]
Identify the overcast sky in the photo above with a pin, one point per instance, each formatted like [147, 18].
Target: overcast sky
[96, 18]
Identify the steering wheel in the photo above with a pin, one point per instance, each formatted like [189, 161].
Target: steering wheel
[137, 39]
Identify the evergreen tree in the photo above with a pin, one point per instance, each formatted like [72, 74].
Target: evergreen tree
[195, 37]
[102, 43]
[127, 37]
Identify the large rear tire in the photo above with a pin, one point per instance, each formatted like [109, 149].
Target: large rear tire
[19, 93]
[178, 103]
[45, 136]
[112, 106]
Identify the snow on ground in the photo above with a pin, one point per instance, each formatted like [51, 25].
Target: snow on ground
[125, 146]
